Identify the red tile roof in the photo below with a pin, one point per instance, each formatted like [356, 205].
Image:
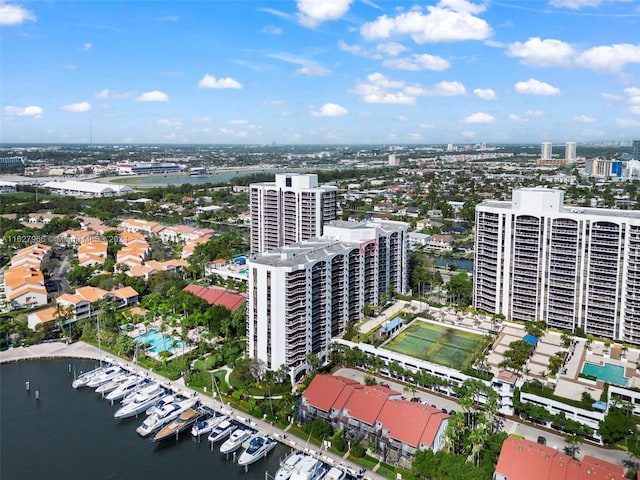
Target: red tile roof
[527, 460]
[411, 422]
[366, 403]
[324, 390]
[217, 296]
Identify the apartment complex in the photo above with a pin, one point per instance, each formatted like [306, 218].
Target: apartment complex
[291, 209]
[301, 295]
[571, 267]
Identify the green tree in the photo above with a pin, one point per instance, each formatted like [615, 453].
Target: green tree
[460, 288]
[616, 425]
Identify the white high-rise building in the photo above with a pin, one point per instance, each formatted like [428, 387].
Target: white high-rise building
[302, 295]
[570, 152]
[546, 151]
[571, 267]
[289, 210]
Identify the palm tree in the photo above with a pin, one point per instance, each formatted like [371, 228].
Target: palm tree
[63, 313]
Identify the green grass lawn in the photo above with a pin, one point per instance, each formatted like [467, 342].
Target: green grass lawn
[437, 343]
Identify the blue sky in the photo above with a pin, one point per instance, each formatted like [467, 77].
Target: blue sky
[319, 71]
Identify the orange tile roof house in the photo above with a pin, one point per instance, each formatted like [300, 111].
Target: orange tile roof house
[376, 414]
[85, 301]
[527, 460]
[92, 253]
[23, 282]
[217, 296]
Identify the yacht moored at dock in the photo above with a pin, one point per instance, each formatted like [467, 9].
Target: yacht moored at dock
[84, 378]
[308, 468]
[140, 402]
[234, 442]
[164, 415]
[221, 431]
[106, 376]
[287, 467]
[133, 383]
[113, 384]
[207, 423]
[335, 473]
[184, 421]
[258, 448]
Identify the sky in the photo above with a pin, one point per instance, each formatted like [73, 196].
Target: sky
[319, 71]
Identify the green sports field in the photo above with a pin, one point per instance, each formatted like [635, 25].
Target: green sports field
[437, 343]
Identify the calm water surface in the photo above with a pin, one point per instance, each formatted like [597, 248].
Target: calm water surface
[71, 434]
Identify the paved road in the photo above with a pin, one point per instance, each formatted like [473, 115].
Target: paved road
[510, 426]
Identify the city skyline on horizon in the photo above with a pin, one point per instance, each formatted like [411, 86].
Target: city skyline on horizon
[339, 72]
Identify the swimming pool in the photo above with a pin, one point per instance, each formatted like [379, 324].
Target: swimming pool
[159, 342]
[244, 271]
[607, 373]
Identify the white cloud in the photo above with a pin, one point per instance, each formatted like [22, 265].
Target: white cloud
[86, 47]
[30, 111]
[392, 49]
[535, 113]
[380, 89]
[479, 117]
[635, 109]
[418, 62]
[611, 97]
[15, 14]
[584, 119]
[271, 30]
[403, 118]
[427, 125]
[449, 21]
[77, 107]
[574, 4]
[469, 134]
[536, 87]
[542, 53]
[106, 93]
[167, 122]
[169, 18]
[441, 89]
[330, 110]
[209, 81]
[609, 57]
[414, 137]
[312, 13]
[634, 99]
[628, 123]
[517, 118]
[358, 50]
[485, 93]
[153, 96]
[313, 71]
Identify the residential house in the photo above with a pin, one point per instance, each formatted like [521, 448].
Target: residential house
[526, 460]
[92, 253]
[140, 226]
[41, 316]
[217, 296]
[440, 242]
[85, 302]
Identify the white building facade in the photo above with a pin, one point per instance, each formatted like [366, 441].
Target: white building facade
[291, 209]
[302, 295]
[571, 267]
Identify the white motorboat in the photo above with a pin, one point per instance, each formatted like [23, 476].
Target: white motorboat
[234, 442]
[83, 379]
[308, 468]
[206, 424]
[113, 384]
[131, 384]
[287, 467]
[167, 399]
[221, 431]
[104, 377]
[258, 448]
[141, 401]
[164, 415]
[144, 389]
[335, 473]
[184, 421]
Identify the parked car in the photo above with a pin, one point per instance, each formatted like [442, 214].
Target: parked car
[542, 440]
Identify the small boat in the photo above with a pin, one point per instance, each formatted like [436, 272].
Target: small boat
[335, 473]
[166, 400]
[258, 448]
[113, 384]
[104, 377]
[221, 431]
[287, 467]
[184, 421]
[206, 424]
[308, 468]
[164, 415]
[133, 383]
[234, 442]
[141, 401]
[83, 379]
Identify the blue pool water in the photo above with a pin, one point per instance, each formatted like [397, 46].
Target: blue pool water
[244, 271]
[159, 342]
[608, 372]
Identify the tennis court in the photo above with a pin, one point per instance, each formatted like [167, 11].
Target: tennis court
[437, 343]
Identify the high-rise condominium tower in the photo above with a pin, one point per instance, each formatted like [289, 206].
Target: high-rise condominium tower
[289, 210]
[546, 151]
[571, 267]
[635, 152]
[302, 295]
[570, 152]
